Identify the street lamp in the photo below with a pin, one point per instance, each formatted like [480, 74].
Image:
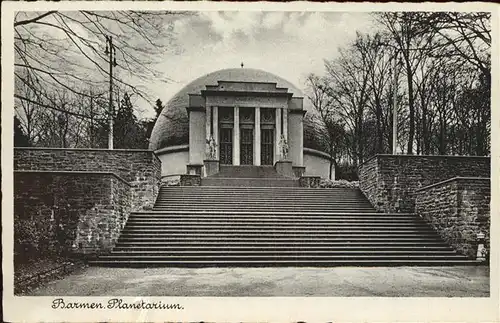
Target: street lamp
[394, 105]
[394, 94]
[111, 51]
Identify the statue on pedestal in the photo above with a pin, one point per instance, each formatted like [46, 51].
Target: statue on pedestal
[211, 148]
[283, 148]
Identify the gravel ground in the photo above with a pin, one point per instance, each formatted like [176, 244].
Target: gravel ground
[467, 281]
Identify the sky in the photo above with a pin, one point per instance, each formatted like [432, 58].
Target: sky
[288, 44]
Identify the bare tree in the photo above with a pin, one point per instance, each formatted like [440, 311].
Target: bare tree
[332, 134]
[348, 87]
[410, 41]
[466, 35]
[443, 104]
[57, 50]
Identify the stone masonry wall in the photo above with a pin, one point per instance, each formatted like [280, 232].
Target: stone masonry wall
[61, 213]
[458, 209]
[390, 181]
[140, 168]
[369, 183]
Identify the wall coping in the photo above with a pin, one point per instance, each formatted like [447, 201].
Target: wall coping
[62, 172]
[86, 149]
[316, 152]
[425, 156]
[92, 149]
[458, 178]
[172, 149]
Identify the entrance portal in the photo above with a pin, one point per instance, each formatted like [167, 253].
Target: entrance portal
[246, 146]
[267, 146]
[226, 125]
[226, 146]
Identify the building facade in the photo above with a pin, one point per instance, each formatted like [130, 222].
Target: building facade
[239, 117]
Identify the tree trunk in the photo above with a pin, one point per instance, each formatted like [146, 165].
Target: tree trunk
[411, 104]
[378, 112]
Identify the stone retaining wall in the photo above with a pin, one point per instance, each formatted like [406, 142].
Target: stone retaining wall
[140, 168]
[390, 181]
[62, 213]
[458, 209]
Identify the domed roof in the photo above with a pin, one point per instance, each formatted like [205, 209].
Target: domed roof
[172, 126]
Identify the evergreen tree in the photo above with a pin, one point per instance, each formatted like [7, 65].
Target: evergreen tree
[129, 133]
[150, 123]
[20, 138]
[158, 108]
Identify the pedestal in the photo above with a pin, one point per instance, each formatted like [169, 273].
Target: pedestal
[284, 167]
[299, 171]
[211, 167]
[194, 169]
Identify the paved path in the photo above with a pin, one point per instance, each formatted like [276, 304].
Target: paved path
[340, 281]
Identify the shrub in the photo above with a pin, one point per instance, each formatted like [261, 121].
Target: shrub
[338, 183]
[171, 182]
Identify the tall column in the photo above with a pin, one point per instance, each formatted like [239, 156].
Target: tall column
[196, 136]
[277, 136]
[296, 137]
[215, 126]
[256, 138]
[208, 121]
[236, 136]
[285, 123]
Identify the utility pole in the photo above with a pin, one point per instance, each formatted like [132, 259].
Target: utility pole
[112, 63]
[394, 106]
[92, 120]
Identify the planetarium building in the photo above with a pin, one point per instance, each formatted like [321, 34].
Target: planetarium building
[239, 117]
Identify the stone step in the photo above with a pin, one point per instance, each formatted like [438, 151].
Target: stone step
[359, 243]
[367, 240]
[148, 222]
[274, 204]
[273, 229]
[276, 215]
[280, 191]
[266, 211]
[264, 195]
[291, 257]
[189, 190]
[245, 182]
[251, 171]
[269, 209]
[284, 263]
[282, 251]
[260, 234]
[289, 247]
[255, 189]
[277, 253]
[282, 241]
[239, 204]
[271, 226]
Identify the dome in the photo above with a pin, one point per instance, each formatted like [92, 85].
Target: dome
[172, 126]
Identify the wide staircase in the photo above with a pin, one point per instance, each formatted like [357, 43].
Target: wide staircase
[222, 226]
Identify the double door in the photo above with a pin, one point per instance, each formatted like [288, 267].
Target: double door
[246, 146]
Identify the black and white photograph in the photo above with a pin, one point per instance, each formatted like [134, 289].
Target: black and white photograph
[163, 154]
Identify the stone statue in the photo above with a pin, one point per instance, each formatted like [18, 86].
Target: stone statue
[211, 148]
[283, 147]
